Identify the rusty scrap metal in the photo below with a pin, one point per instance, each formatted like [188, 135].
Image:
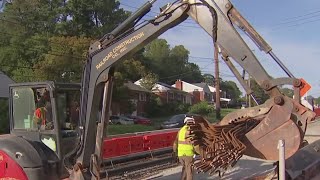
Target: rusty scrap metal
[219, 146]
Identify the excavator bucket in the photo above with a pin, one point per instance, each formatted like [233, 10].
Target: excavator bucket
[254, 132]
[262, 141]
[287, 121]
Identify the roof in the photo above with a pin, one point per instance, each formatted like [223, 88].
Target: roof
[188, 87]
[202, 85]
[161, 87]
[212, 89]
[166, 85]
[4, 88]
[135, 87]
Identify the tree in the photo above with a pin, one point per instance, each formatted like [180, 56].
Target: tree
[170, 64]
[149, 81]
[258, 92]
[209, 79]
[131, 69]
[28, 26]
[288, 92]
[94, 18]
[64, 62]
[231, 89]
[317, 100]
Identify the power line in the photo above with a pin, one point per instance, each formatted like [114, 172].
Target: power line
[297, 18]
[303, 15]
[134, 7]
[296, 25]
[294, 21]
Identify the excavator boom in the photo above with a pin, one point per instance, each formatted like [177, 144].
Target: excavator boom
[279, 118]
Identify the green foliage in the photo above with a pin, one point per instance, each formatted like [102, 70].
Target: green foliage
[209, 79]
[317, 100]
[93, 18]
[202, 108]
[131, 69]
[231, 89]
[288, 92]
[170, 64]
[155, 108]
[122, 129]
[64, 61]
[4, 116]
[258, 92]
[49, 40]
[149, 80]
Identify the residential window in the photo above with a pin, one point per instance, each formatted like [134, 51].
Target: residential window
[178, 96]
[142, 97]
[171, 95]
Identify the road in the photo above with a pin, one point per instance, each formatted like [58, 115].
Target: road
[246, 167]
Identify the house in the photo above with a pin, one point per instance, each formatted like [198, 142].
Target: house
[4, 88]
[308, 101]
[139, 97]
[224, 101]
[169, 94]
[200, 91]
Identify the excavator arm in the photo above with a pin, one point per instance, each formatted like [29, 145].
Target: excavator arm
[279, 118]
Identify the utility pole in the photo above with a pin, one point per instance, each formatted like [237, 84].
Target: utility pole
[217, 84]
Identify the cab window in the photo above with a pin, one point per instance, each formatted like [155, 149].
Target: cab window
[31, 108]
[68, 109]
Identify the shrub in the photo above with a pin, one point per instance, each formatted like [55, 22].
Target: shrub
[202, 108]
[155, 108]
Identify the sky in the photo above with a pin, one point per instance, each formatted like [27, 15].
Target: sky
[289, 26]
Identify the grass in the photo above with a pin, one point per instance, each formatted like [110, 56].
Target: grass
[212, 116]
[122, 129]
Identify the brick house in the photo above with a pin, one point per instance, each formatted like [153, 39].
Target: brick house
[200, 91]
[223, 96]
[169, 94]
[139, 97]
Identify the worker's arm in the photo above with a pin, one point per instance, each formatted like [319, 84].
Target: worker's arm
[175, 144]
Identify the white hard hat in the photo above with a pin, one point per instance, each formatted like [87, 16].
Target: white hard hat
[187, 119]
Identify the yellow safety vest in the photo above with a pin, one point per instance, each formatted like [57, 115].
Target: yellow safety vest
[185, 148]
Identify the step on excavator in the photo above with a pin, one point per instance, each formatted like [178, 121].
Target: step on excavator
[68, 143]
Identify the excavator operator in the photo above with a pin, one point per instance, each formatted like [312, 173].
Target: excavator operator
[43, 114]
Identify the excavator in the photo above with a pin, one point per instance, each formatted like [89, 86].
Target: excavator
[58, 148]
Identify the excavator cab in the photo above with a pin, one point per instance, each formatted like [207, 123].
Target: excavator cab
[45, 116]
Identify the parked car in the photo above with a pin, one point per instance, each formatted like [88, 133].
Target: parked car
[140, 120]
[175, 121]
[121, 120]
